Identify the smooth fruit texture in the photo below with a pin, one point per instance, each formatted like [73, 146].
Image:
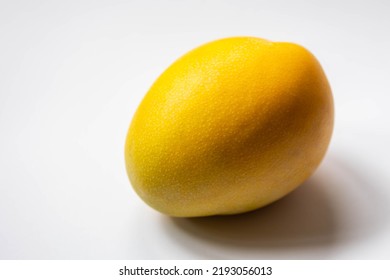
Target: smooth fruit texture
[231, 126]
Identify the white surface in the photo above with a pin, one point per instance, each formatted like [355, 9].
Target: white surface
[72, 74]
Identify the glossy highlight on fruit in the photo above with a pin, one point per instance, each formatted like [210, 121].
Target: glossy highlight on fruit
[231, 126]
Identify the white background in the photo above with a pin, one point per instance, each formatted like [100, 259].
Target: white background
[72, 74]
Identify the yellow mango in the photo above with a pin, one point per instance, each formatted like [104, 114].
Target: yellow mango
[231, 126]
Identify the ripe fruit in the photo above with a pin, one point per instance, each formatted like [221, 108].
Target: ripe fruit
[231, 126]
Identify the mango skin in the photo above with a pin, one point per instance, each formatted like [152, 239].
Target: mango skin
[230, 127]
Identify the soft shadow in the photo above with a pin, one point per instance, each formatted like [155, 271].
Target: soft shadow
[304, 217]
[337, 206]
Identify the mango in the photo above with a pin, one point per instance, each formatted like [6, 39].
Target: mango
[230, 127]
